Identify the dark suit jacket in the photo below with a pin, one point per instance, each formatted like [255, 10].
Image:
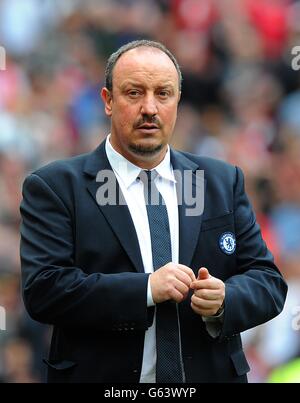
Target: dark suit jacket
[82, 272]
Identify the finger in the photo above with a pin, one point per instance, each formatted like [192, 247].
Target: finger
[203, 312]
[176, 295]
[211, 295]
[187, 270]
[183, 276]
[211, 284]
[181, 287]
[204, 304]
[203, 274]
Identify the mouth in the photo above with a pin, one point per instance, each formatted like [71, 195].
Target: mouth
[148, 128]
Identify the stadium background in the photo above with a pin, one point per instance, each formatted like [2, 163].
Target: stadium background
[240, 103]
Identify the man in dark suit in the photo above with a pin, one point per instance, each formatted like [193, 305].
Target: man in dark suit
[138, 293]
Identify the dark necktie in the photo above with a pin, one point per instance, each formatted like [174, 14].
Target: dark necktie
[169, 367]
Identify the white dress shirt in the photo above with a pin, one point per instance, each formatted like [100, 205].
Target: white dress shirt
[133, 192]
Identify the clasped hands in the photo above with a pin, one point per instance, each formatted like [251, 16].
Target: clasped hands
[174, 281]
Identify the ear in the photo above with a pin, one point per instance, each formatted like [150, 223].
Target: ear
[179, 96]
[107, 99]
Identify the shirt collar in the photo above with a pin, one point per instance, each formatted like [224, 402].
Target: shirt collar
[128, 172]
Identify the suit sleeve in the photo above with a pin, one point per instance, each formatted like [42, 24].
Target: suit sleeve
[57, 292]
[257, 292]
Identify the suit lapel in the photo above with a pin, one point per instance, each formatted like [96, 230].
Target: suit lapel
[189, 225]
[117, 216]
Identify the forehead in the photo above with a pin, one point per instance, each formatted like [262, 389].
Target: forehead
[144, 65]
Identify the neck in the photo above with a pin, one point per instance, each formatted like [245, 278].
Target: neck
[147, 163]
[143, 161]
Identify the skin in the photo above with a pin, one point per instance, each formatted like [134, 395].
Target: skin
[209, 293]
[145, 92]
[142, 107]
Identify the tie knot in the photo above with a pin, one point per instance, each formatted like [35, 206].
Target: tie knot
[151, 193]
[148, 177]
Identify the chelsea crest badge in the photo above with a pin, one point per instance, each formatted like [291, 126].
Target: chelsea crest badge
[227, 243]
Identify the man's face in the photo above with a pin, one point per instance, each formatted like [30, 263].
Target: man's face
[143, 104]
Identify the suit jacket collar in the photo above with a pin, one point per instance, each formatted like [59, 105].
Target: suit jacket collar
[96, 161]
[119, 217]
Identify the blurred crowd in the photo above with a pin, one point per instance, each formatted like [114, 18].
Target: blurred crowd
[240, 103]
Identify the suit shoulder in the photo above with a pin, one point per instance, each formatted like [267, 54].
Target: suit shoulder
[212, 165]
[61, 168]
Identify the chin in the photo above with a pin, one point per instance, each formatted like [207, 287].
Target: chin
[146, 149]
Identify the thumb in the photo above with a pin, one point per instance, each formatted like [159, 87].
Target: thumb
[203, 274]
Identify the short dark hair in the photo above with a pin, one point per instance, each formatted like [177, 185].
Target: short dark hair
[132, 45]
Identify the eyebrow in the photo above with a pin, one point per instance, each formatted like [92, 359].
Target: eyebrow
[167, 84]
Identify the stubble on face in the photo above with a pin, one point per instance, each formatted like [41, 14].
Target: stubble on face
[143, 149]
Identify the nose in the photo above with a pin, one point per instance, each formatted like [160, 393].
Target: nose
[149, 106]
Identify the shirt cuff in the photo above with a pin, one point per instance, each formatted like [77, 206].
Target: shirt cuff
[214, 324]
[150, 301]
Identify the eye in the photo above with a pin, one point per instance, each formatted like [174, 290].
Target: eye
[133, 93]
[164, 94]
